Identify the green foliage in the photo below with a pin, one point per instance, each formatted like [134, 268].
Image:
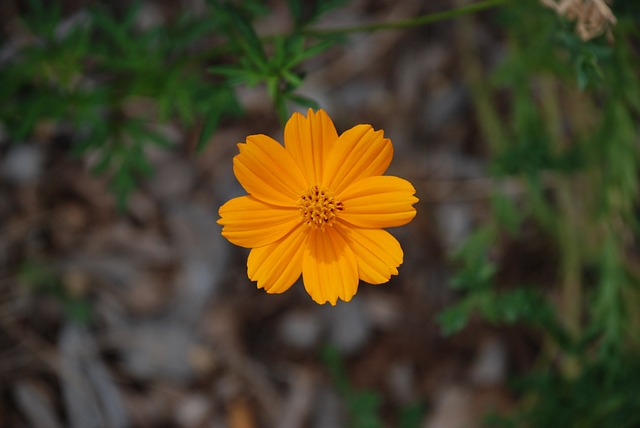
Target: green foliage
[305, 13]
[273, 61]
[606, 394]
[43, 279]
[477, 271]
[411, 416]
[364, 406]
[572, 139]
[507, 213]
[476, 276]
[113, 83]
[607, 148]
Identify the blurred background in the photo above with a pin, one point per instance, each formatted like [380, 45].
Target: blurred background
[517, 304]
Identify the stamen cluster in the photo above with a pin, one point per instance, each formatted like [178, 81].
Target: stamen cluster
[318, 207]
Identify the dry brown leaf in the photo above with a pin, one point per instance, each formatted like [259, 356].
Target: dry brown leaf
[592, 17]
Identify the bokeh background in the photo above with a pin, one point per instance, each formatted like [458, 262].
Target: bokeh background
[121, 305]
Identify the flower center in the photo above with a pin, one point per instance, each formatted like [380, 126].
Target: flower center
[318, 207]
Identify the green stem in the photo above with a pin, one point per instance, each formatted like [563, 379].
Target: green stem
[408, 23]
[492, 126]
[368, 28]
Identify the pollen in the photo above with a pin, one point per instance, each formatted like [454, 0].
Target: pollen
[318, 207]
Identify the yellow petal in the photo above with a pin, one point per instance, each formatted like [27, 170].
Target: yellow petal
[250, 223]
[329, 268]
[309, 141]
[277, 266]
[378, 202]
[359, 152]
[268, 172]
[377, 252]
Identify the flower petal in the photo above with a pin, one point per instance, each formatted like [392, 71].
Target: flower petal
[378, 202]
[377, 253]
[277, 266]
[250, 223]
[360, 152]
[329, 268]
[268, 172]
[309, 141]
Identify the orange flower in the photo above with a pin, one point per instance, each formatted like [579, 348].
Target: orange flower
[317, 208]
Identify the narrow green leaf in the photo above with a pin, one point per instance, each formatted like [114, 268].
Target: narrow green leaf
[303, 101]
[309, 52]
[295, 9]
[209, 127]
[243, 27]
[293, 79]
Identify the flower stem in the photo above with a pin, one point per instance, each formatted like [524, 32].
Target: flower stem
[408, 23]
[486, 111]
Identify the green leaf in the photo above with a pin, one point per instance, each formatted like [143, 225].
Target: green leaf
[122, 183]
[219, 103]
[209, 126]
[292, 78]
[242, 27]
[411, 415]
[104, 162]
[295, 9]
[333, 362]
[364, 408]
[281, 108]
[238, 75]
[507, 215]
[43, 17]
[454, 318]
[303, 101]
[307, 12]
[77, 309]
[301, 53]
[588, 71]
